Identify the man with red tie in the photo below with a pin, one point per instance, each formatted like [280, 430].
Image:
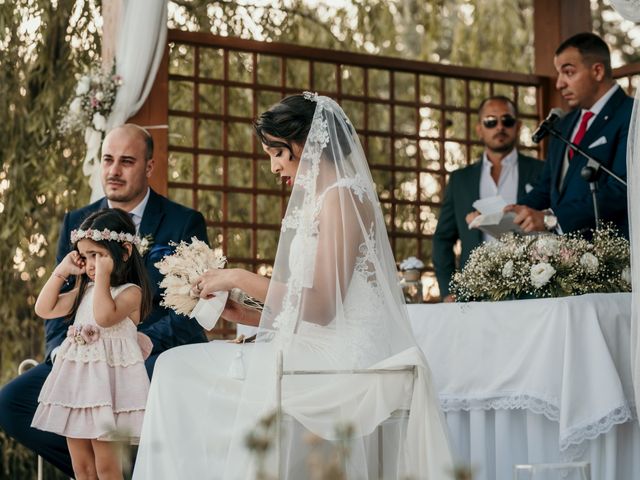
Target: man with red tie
[561, 200]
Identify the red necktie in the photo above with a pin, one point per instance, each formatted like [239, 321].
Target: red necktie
[582, 129]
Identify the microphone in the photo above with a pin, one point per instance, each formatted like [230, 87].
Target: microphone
[543, 129]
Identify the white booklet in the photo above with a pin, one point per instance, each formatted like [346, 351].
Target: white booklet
[492, 220]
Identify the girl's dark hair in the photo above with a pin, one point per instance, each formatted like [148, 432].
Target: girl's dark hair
[131, 270]
[289, 119]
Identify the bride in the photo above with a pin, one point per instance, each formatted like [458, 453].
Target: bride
[332, 303]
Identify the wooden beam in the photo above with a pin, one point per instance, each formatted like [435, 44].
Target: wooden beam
[154, 113]
[553, 22]
[111, 19]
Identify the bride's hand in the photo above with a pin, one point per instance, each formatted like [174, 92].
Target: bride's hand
[214, 280]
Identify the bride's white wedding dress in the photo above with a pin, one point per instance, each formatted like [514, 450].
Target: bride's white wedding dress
[192, 405]
[333, 258]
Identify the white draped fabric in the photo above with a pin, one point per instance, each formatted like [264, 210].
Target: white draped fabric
[140, 45]
[535, 381]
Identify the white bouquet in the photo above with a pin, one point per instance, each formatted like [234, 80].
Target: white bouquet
[181, 269]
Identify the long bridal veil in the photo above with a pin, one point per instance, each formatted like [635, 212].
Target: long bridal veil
[334, 304]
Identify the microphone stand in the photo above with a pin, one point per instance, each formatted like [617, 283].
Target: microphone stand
[589, 172]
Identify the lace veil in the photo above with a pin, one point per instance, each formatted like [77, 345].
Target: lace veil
[334, 304]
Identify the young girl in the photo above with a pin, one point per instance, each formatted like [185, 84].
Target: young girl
[97, 390]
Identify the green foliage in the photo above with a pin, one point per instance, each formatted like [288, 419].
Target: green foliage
[40, 175]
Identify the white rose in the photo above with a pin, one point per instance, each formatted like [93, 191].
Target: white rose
[590, 262]
[113, 236]
[507, 270]
[548, 245]
[83, 85]
[541, 273]
[76, 105]
[99, 96]
[99, 122]
[626, 275]
[96, 235]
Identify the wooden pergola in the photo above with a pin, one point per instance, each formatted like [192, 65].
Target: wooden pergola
[210, 127]
[554, 20]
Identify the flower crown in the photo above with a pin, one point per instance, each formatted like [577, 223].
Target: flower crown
[104, 234]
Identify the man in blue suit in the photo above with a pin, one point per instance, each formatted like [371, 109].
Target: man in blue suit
[502, 170]
[561, 201]
[126, 165]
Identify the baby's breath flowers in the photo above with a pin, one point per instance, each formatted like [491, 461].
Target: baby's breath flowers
[545, 266]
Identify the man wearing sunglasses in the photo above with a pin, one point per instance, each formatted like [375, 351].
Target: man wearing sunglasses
[501, 171]
[561, 201]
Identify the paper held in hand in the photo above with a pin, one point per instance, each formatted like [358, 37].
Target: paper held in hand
[492, 220]
[208, 310]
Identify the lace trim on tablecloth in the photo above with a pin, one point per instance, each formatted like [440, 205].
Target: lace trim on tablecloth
[577, 435]
[570, 441]
[503, 402]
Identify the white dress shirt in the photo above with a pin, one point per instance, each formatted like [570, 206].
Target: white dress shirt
[507, 186]
[137, 211]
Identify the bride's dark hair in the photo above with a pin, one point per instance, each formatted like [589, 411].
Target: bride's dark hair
[289, 119]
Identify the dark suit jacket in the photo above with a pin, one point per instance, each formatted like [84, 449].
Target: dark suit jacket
[572, 202]
[462, 190]
[165, 221]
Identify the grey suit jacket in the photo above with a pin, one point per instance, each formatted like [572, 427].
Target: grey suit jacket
[462, 190]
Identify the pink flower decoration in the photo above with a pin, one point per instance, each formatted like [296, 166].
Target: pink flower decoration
[90, 333]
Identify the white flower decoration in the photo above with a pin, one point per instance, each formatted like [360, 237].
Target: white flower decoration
[99, 96]
[99, 122]
[541, 273]
[96, 236]
[507, 270]
[113, 236]
[411, 263]
[84, 84]
[548, 245]
[590, 262]
[626, 275]
[76, 106]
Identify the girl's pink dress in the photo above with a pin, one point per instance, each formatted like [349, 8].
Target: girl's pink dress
[96, 390]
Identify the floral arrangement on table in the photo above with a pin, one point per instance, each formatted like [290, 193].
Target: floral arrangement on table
[411, 263]
[545, 266]
[93, 101]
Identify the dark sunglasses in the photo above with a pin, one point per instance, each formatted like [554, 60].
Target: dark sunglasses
[491, 121]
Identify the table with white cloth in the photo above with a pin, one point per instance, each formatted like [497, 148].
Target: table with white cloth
[535, 381]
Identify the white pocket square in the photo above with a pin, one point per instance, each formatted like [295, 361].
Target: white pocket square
[601, 141]
[528, 187]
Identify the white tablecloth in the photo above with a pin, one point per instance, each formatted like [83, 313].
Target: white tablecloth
[535, 381]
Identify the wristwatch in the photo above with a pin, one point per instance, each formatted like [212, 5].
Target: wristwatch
[550, 221]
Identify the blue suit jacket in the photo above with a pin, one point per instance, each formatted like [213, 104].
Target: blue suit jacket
[165, 221]
[572, 202]
[462, 190]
